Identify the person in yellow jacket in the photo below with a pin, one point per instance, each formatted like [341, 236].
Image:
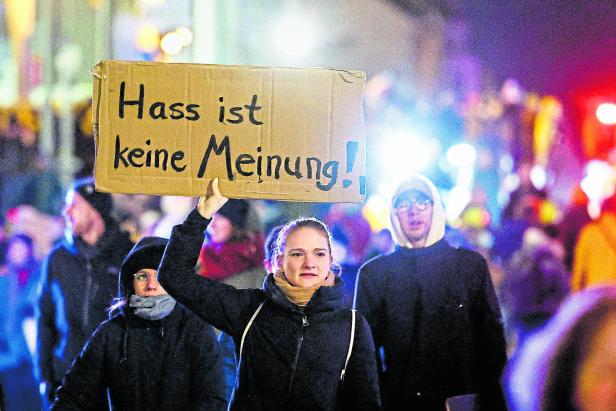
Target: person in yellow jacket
[594, 260]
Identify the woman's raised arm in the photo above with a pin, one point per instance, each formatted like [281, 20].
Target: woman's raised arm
[221, 305]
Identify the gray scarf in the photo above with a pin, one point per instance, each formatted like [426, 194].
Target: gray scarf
[152, 308]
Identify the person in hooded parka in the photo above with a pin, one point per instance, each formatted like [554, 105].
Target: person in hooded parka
[433, 312]
[153, 354]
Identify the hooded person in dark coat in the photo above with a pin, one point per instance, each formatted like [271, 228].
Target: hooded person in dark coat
[432, 310]
[152, 355]
[79, 279]
[292, 337]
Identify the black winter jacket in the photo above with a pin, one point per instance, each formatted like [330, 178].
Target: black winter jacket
[169, 364]
[292, 358]
[78, 284]
[434, 313]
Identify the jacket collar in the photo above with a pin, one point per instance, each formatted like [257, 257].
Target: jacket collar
[324, 299]
[136, 321]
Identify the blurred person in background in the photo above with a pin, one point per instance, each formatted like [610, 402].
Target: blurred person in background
[152, 354]
[574, 219]
[18, 152]
[522, 213]
[594, 261]
[535, 283]
[26, 177]
[44, 230]
[18, 281]
[381, 242]
[233, 253]
[433, 311]
[570, 365]
[351, 233]
[79, 279]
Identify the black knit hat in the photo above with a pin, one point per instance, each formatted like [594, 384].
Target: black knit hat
[102, 202]
[235, 211]
[147, 253]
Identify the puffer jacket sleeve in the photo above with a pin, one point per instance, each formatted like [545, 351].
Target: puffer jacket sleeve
[490, 346]
[360, 389]
[208, 388]
[47, 335]
[219, 304]
[83, 386]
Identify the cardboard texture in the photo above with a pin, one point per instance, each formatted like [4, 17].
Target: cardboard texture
[272, 133]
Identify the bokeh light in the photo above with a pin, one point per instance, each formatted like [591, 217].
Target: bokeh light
[606, 113]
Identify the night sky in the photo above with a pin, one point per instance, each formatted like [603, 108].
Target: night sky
[551, 47]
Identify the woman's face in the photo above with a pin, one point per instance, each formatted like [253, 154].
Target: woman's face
[307, 259]
[146, 284]
[595, 385]
[220, 229]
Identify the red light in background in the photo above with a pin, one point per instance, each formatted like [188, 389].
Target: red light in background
[606, 113]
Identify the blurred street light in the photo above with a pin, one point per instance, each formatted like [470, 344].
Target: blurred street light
[294, 36]
[606, 113]
[171, 43]
[148, 38]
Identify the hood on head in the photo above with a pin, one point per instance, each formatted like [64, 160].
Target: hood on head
[437, 227]
[147, 253]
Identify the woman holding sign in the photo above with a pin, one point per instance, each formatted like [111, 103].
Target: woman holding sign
[298, 347]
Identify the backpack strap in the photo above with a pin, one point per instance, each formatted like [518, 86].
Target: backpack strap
[351, 340]
[254, 315]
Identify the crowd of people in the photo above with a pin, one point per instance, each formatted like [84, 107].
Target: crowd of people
[141, 302]
[223, 315]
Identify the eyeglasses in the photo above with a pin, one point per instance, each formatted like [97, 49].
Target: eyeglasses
[142, 277]
[420, 205]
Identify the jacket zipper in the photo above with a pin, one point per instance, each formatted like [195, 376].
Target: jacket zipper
[299, 347]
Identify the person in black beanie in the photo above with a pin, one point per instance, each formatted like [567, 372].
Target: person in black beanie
[153, 354]
[78, 280]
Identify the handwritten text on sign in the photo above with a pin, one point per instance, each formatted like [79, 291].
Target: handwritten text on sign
[291, 134]
[270, 165]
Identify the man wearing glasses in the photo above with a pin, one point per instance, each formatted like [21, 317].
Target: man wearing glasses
[433, 312]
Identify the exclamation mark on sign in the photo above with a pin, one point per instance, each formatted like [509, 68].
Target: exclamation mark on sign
[351, 155]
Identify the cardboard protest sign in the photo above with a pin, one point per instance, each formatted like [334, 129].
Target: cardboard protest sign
[274, 133]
